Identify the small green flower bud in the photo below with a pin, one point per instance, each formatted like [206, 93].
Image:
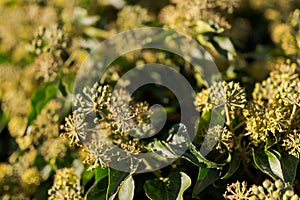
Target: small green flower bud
[255, 190]
[253, 198]
[267, 183]
[279, 184]
[261, 189]
[289, 193]
[285, 197]
[295, 197]
[275, 194]
[261, 196]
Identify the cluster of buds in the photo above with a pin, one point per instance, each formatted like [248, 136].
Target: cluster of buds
[52, 40]
[269, 190]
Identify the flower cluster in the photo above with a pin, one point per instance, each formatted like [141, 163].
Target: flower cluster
[132, 17]
[221, 137]
[274, 111]
[51, 47]
[66, 185]
[198, 16]
[20, 176]
[219, 94]
[14, 37]
[291, 143]
[286, 34]
[269, 190]
[41, 140]
[227, 100]
[103, 119]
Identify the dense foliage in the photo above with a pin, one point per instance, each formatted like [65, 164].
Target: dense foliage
[254, 43]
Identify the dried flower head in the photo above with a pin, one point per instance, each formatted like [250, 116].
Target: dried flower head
[53, 148]
[286, 34]
[99, 150]
[6, 170]
[229, 94]
[31, 176]
[45, 126]
[278, 86]
[46, 66]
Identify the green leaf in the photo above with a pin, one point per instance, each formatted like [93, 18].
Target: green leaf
[98, 190]
[126, 191]
[211, 176]
[289, 165]
[63, 89]
[270, 142]
[178, 138]
[202, 173]
[115, 180]
[201, 159]
[40, 99]
[87, 176]
[224, 46]
[277, 165]
[3, 121]
[170, 188]
[177, 141]
[268, 163]
[233, 166]
[108, 183]
[162, 148]
[100, 173]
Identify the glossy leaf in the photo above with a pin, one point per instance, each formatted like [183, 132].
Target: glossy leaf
[289, 165]
[115, 180]
[126, 191]
[211, 176]
[101, 173]
[202, 160]
[98, 190]
[268, 163]
[170, 188]
[87, 176]
[176, 143]
[233, 166]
